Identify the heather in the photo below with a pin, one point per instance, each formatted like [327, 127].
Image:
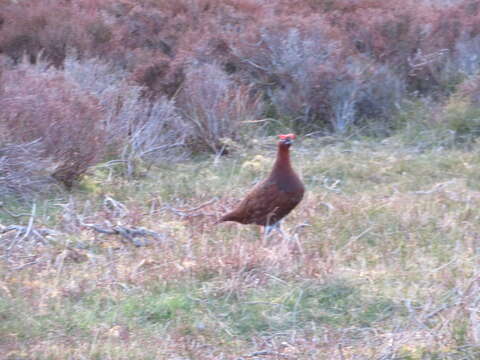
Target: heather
[128, 128]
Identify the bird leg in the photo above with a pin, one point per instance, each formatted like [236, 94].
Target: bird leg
[270, 227]
[268, 232]
[285, 236]
[289, 243]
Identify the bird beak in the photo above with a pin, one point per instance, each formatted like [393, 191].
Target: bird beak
[288, 141]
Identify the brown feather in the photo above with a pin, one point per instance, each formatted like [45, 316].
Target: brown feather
[272, 199]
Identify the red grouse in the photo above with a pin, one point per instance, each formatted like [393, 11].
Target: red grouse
[273, 198]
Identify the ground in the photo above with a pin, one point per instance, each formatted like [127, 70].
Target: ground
[381, 261]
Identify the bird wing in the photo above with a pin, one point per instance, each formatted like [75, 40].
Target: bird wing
[265, 204]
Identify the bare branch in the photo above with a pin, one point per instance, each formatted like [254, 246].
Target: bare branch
[128, 234]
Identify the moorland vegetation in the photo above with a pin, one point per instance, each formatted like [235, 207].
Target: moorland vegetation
[128, 127]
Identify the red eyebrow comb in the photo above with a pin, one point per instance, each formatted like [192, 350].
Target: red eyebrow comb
[285, 136]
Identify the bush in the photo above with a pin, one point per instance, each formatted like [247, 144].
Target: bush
[157, 75]
[319, 65]
[137, 129]
[295, 63]
[461, 114]
[470, 90]
[157, 41]
[366, 94]
[23, 170]
[117, 97]
[78, 116]
[463, 119]
[309, 76]
[51, 27]
[39, 103]
[466, 56]
[420, 42]
[214, 107]
[156, 134]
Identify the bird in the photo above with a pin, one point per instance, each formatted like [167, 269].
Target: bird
[273, 198]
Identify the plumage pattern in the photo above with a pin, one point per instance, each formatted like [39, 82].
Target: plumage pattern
[273, 198]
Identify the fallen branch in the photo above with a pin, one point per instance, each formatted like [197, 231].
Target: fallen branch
[211, 201]
[30, 224]
[192, 211]
[355, 238]
[128, 234]
[115, 206]
[20, 267]
[11, 213]
[268, 353]
[333, 186]
[434, 189]
[23, 230]
[22, 233]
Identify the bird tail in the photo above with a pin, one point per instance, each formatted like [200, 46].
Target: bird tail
[222, 219]
[231, 216]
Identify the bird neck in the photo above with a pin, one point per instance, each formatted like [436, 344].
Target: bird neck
[283, 159]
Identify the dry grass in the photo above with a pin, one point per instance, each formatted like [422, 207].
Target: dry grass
[382, 263]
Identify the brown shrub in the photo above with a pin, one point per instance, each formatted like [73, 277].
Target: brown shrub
[320, 63]
[470, 90]
[310, 76]
[158, 75]
[410, 38]
[139, 130]
[389, 33]
[295, 61]
[23, 170]
[214, 107]
[41, 104]
[52, 27]
[157, 41]
[157, 134]
[418, 40]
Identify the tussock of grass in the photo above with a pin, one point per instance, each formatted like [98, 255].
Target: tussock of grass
[384, 266]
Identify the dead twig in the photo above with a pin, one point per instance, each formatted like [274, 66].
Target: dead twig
[332, 185]
[192, 212]
[211, 201]
[20, 267]
[115, 206]
[267, 353]
[30, 221]
[420, 60]
[11, 213]
[128, 234]
[23, 229]
[340, 351]
[23, 232]
[355, 238]
[434, 189]
[442, 308]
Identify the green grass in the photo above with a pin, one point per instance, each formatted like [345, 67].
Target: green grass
[384, 265]
[263, 311]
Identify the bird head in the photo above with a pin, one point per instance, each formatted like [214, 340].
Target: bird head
[287, 139]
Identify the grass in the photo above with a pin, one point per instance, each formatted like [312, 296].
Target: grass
[384, 264]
